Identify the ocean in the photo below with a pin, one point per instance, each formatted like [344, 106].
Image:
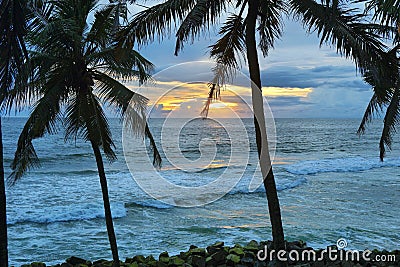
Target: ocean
[331, 185]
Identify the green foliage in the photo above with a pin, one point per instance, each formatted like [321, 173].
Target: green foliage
[74, 69]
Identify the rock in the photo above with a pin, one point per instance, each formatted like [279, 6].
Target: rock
[38, 264]
[184, 255]
[215, 247]
[75, 261]
[210, 262]
[347, 264]
[299, 243]
[164, 257]
[237, 251]
[99, 262]
[192, 247]
[65, 264]
[219, 256]
[151, 261]
[260, 264]
[318, 264]
[198, 261]
[252, 246]
[161, 264]
[253, 243]
[175, 261]
[198, 251]
[132, 264]
[247, 261]
[232, 259]
[138, 259]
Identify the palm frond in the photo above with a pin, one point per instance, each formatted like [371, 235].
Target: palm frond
[387, 11]
[153, 147]
[390, 122]
[85, 118]
[122, 63]
[154, 22]
[374, 106]
[131, 106]
[231, 47]
[343, 28]
[200, 17]
[270, 23]
[102, 26]
[115, 93]
[383, 78]
[13, 53]
[42, 120]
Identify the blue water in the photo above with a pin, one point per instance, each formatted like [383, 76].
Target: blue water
[331, 185]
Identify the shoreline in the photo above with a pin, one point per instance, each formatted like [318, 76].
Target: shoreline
[254, 253]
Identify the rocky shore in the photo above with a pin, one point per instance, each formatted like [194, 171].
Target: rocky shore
[257, 254]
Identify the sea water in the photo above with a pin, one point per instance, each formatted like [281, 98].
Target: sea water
[331, 185]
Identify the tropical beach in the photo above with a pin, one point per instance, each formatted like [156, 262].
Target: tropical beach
[123, 144]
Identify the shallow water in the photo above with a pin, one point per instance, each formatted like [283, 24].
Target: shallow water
[331, 185]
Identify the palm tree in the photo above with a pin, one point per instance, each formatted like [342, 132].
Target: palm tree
[383, 76]
[335, 21]
[74, 69]
[13, 27]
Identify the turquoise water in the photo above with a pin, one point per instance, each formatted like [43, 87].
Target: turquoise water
[331, 185]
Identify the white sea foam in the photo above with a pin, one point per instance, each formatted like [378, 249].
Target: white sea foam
[66, 213]
[352, 164]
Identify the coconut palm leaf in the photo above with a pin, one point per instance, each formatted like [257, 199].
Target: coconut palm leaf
[85, 118]
[390, 122]
[13, 28]
[155, 21]
[270, 23]
[342, 27]
[42, 120]
[387, 11]
[384, 79]
[231, 47]
[201, 17]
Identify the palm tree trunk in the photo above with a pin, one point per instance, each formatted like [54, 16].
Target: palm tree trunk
[261, 133]
[3, 214]
[106, 202]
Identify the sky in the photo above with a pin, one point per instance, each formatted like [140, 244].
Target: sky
[300, 79]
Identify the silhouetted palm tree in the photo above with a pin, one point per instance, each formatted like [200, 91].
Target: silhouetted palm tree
[13, 28]
[383, 76]
[74, 68]
[337, 22]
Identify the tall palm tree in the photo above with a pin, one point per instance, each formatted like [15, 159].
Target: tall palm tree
[337, 22]
[13, 28]
[74, 69]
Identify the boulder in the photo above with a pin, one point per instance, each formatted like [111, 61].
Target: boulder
[219, 256]
[215, 247]
[232, 259]
[198, 251]
[164, 257]
[175, 261]
[198, 261]
[237, 251]
[75, 261]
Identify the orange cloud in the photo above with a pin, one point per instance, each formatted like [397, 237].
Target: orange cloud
[188, 99]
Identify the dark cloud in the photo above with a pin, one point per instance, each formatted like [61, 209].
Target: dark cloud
[328, 77]
[288, 101]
